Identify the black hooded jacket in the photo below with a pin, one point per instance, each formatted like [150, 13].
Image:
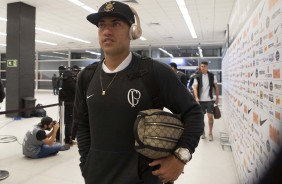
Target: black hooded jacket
[105, 122]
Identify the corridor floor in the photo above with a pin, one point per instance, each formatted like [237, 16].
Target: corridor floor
[210, 164]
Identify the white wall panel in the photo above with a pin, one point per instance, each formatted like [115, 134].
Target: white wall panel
[252, 70]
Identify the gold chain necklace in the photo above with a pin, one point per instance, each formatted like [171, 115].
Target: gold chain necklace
[104, 91]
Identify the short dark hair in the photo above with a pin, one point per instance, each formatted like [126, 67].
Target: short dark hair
[45, 121]
[173, 65]
[204, 63]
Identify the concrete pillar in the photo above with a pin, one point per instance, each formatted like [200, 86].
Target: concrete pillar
[20, 55]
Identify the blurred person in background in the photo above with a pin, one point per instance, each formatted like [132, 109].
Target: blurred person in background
[204, 84]
[69, 78]
[2, 91]
[191, 81]
[181, 76]
[55, 84]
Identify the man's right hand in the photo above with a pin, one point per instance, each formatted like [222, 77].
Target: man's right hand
[56, 126]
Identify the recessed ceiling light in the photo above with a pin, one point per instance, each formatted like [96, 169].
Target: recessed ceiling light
[48, 43]
[62, 35]
[164, 51]
[3, 19]
[182, 6]
[154, 24]
[143, 38]
[130, 1]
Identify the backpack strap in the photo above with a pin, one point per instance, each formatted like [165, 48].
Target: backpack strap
[149, 81]
[144, 70]
[87, 76]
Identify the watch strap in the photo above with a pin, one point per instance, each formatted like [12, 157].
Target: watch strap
[183, 154]
[177, 156]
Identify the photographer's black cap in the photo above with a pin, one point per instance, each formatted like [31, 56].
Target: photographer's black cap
[113, 9]
[46, 120]
[75, 68]
[61, 67]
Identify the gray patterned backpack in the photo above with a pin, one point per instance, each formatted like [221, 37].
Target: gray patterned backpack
[156, 133]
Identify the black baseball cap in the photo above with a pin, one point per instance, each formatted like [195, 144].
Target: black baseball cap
[75, 68]
[113, 9]
[61, 67]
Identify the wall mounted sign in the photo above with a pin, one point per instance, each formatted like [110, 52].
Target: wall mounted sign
[12, 63]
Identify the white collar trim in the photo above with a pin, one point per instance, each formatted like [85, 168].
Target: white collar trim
[120, 67]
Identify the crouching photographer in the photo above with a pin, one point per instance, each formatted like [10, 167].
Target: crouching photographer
[39, 144]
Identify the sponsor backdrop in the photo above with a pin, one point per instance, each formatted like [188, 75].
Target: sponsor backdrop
[252, 91]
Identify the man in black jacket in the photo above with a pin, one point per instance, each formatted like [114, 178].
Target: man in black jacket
[2, 92]
[107, 107]
[192, 78]
[68, 89]
[3, 174]
[181, 76]
[204, 84]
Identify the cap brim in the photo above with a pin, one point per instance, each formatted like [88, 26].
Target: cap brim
[95, 17]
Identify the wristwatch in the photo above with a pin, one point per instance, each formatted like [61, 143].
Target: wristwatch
[183, 154]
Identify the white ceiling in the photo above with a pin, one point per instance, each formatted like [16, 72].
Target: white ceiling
[210, 18]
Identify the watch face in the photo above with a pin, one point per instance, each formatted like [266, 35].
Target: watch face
[184, 154]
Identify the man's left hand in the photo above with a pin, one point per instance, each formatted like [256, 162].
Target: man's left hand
[170, 168]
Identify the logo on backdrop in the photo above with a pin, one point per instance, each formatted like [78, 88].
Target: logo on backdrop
[277, 55]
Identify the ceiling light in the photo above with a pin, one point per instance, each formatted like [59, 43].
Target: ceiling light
[143, 38]
[51, 32]
[182, 6]
[48, 43]
[130, 1]
[92, 52]
[85, 58]
[3, 19]
[82, 5]
[154, 24]
[62, 35]
[88, 8]
[38, 41]
[61, 53]
[76, 2]
[57, 57]
[164, 51]
[3, 34]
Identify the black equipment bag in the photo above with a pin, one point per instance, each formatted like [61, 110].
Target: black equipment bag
[39, 112]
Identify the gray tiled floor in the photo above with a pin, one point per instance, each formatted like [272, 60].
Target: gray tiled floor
[210, 164]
